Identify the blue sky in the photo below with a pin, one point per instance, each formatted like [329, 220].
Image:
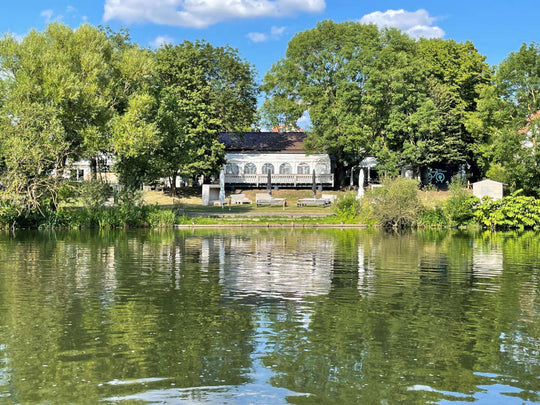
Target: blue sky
[260, 29]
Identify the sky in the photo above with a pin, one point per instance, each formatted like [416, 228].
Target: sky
[261, 29]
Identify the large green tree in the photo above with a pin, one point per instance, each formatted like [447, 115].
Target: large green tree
[68, 94]
[371, 91]
[454, 76]
[324, 73]
[508, 113]
[200, 90]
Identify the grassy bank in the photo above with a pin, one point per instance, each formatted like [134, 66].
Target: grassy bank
[399, 204]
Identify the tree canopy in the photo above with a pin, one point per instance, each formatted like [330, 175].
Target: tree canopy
[508, 114]
[199, 90]
[378, 92]
[67, 94]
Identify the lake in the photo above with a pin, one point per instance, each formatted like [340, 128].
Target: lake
[269, 316]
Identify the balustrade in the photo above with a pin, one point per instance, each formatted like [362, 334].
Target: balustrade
[279, 179]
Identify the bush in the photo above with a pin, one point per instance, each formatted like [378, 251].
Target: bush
[347, 208]
[432, 217]
[8, 214]
[513, 211]
[396, 204]
[94, 193]
[462, 204]
[157, 217]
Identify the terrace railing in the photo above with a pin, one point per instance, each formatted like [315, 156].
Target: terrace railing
[293, 180]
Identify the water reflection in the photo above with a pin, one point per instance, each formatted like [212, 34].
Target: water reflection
[269, 316]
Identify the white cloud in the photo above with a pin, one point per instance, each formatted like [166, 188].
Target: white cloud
[257, 37]
[203, 13]
[47, 14]
[71, 10]
[161, 40]
[414, 23]
[275, 34]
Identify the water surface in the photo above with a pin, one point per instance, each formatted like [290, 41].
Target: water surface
[269, 316]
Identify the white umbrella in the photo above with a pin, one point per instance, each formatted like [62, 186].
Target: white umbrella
[360, 185]
[222, 187]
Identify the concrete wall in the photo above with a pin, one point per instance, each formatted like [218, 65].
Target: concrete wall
[490, 188]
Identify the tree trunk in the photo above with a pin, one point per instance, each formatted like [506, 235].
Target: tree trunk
[93, 168]
[340, 175]
[173, 185]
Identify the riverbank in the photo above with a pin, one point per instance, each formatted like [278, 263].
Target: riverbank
[397, 205]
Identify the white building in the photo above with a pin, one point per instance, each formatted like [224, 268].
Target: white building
[252, 155]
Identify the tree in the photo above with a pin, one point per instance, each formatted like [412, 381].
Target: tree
[65, 93]
[518, 80]
[455, 74]
[324, 73]
[378, 92]
[508, 111]
[200, 91]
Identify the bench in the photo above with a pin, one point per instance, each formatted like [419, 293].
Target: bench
[263, 198]
[240, 199]
[302, 202]
[331, 197]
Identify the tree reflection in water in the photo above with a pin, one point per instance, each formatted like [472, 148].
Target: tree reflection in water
[252, 316]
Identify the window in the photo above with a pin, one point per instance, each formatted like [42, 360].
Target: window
[268, 168]
[285, 168]
[321, 168]
[250, 168]
[231, 168]
[303, 168]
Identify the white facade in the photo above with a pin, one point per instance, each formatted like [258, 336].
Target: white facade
[80, 170]
[289, 169]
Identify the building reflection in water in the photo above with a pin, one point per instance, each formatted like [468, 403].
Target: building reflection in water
[274, 267]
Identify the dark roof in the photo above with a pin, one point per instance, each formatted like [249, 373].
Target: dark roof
[263, 141]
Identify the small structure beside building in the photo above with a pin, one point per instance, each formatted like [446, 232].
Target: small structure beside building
[210, 194]
[488, 188]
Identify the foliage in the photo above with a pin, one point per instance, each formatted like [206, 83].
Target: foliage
[434, 217]
[347, 208]
[66, 93]
[378, 92]
[461, 204]
[8, 214]
[396, 204]
[348, 77]
[508, 113]
[513, 211]
[94, 193]
[518, 79]
[157, 217]
[200, 90]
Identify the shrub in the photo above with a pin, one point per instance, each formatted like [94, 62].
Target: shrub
[94, 193]
[347, 208]
[396, 204]
[8, 214]
[461, 205]
[432, 217]
[513, 211]
[157, 217]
